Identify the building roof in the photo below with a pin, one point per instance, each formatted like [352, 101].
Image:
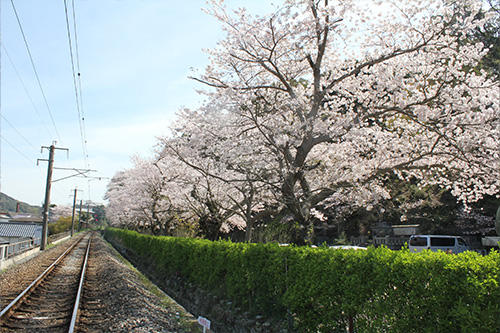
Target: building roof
[26, 218]
[15, 229]
[5, 216]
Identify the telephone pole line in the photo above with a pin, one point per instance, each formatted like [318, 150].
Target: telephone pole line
[48, 186]
[73, 216]
[80, 217]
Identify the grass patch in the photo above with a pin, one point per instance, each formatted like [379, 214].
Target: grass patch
[186, 321]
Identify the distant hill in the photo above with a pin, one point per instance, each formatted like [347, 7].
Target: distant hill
[10, 204]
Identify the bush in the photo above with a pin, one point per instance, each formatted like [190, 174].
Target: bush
[379, 289]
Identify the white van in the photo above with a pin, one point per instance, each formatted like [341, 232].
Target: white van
[451, 244]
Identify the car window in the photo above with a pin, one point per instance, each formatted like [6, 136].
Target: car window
[418, 241]
[442, 241]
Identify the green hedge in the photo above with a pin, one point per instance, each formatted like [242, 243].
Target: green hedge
[382, 290]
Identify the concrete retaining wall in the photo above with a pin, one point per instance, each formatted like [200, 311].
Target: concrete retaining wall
[26, 255]
[18, 258]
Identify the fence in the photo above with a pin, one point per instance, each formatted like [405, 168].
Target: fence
[56, 238]
[9, 250]
[394, 243]
[359, 241]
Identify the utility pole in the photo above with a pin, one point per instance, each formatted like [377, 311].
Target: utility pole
[80, 216]
[88, 215]
[46, 203]
[73, 216]
[48, 186]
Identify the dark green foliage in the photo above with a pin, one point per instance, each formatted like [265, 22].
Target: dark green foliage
[382, 290]
[62, 225]
[10, 204]
[489, 35]
[99, 214]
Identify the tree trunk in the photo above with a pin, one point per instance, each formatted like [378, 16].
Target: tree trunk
[249, 230]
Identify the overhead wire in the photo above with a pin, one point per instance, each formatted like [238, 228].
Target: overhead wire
[35, 71]
[19, 133]
[39, 85]
[75, 66]
[30, 160]
[80, 83]
[25, 89]
[17, 149]
[86, 152]
[38, 81]
[75, 63]
[75, 81]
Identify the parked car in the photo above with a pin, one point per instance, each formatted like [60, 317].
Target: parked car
[348, 247]
[450, 244]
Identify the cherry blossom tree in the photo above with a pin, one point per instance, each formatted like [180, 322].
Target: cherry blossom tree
[318, 106]
[344, 93]
[120, 210]
[60, 211]
[145, 196]
[230, 182]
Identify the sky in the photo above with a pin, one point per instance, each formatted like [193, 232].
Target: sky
[134, 59]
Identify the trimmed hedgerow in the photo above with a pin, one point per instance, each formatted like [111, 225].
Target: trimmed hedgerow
[322, 288]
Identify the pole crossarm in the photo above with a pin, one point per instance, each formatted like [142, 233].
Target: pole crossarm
[55, 148]
[80, 172]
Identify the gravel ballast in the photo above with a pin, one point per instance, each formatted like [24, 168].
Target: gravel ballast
[118, 299]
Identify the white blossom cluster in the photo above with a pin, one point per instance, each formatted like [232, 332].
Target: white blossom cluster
[483, 225]
[317, 104]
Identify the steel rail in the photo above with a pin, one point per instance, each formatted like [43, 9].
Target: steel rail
[74, 317]
[5, 312]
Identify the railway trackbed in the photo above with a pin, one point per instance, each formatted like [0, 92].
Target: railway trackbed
[114, 297]
[51, 302]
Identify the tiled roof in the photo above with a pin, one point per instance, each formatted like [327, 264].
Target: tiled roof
[12, 229]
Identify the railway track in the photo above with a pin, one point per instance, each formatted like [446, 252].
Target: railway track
[51, 302]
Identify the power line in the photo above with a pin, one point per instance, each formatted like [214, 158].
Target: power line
[32, 103]
[25, 89]
[16, 149]
[75, 30]
[8, 122]
[36, 73]
[75, 66]
[3, 48]
[77, 96]
[34, 69]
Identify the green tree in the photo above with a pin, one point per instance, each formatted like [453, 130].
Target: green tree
[489, 35]
[10, 204]
[62, 225]
[100, 215]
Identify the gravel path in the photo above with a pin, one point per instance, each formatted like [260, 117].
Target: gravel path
[118, 299]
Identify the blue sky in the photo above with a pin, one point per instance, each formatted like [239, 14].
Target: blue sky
[135, 57]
